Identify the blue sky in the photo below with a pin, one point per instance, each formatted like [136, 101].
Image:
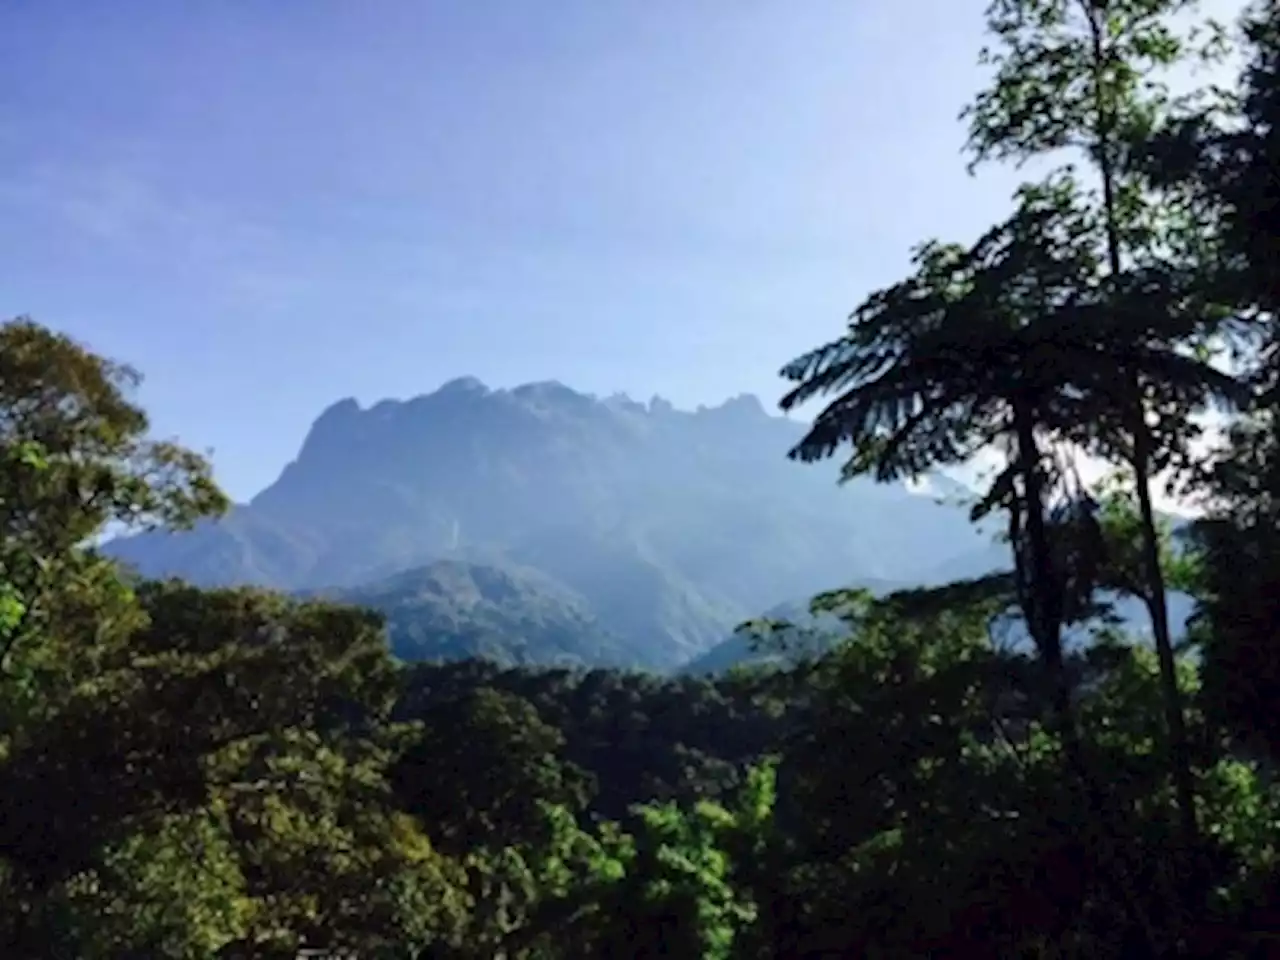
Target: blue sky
[267, 206]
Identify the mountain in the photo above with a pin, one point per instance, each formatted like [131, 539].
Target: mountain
[811, 636]
[668, 526]
[454, 610]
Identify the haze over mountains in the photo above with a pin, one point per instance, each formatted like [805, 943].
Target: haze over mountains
[545, 524]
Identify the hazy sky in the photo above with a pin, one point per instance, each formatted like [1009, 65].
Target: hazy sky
[267, 205]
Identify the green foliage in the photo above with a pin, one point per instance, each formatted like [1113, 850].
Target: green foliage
[681, 902]
[1083, 322]
[182, 771]
[1120, 525]
[1063, 69]
[1237, 587]
[503, 764]
[81, 449]
[178, 891]
[930, 368]
[636, 737]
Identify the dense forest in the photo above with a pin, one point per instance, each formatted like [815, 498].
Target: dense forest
[196, 772]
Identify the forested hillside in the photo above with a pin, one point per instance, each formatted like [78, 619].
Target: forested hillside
[453, 610]
[990, 767]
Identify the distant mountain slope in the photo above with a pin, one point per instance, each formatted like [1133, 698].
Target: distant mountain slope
[453, 610]
[665, 618]
[671, 526]
[815, 635]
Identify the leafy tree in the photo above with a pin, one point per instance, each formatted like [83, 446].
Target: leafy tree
[923, 797]
[679, 890]
[1222, 156]
[226, 746]
[1084, 74]
[638, 736]
[175, 891]
[501, 764]
[557, 893]
[981, 347]
[75, 456]
[264, 720]
[1238, 599]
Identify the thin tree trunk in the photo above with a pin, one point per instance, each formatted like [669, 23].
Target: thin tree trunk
[1044, 617]
[1158, 607]
[1156, 594]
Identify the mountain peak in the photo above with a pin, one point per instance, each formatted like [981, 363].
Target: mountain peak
[334, 424]
[340, 411]
[549, 391]
[743, 405]
[462, 386]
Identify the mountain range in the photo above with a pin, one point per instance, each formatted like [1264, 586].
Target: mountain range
[541, 524]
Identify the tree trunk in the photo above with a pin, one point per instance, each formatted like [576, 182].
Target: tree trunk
[1158, 607]
[1045, 621]
[1044, 618]
[1156, 594]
